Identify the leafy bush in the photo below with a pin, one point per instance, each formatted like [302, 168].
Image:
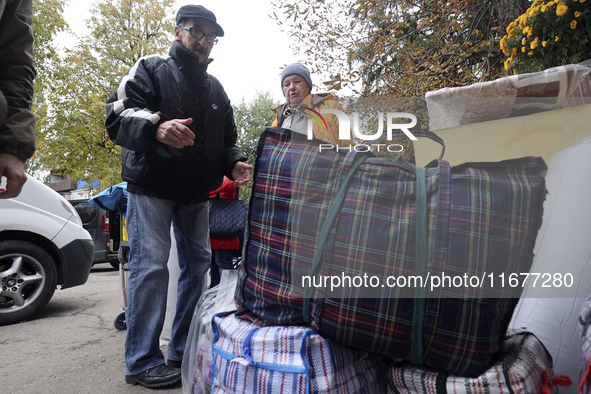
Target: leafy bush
[548, 34]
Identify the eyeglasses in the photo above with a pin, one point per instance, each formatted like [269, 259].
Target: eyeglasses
[198, 34]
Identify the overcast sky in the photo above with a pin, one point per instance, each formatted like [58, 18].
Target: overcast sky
[249, 57]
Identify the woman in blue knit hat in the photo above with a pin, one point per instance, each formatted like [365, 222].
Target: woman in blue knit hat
[296, 85]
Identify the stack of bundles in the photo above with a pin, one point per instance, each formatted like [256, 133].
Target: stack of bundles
[318, 217]
[248, 358]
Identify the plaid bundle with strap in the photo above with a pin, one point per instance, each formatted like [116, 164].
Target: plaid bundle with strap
[353, 245]
[248, 358]
[524, 366]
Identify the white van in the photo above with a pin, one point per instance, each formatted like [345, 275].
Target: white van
[42, 245]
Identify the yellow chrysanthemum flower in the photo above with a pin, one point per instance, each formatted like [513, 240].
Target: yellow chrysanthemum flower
[561, 9]
[507, 66]
[530, 53]
[544, 43]
[544, 7]
[523, 41]
[577, 14]
[534, 44]
[556, 38]
[573, 24]
[504, 46]
[550, 4]
[510, 28]
[523, 49]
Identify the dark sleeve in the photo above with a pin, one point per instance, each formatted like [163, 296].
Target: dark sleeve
[17, 122]
[132, 115]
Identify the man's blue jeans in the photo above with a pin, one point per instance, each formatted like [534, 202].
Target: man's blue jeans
[148, 227]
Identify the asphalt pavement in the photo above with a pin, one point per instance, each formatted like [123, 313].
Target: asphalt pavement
[73, 346]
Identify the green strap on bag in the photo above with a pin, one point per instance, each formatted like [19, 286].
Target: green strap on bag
[418, 319]
[421, 251]
[326, 228]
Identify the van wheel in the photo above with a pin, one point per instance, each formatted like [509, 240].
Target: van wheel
[114, 264]
[28, 278]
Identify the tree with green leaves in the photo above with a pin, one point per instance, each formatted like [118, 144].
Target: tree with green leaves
[400, 48]
[251, 119]
[71, 135]
[47, 22]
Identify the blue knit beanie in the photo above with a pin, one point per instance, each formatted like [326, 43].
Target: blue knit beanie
[297, 69]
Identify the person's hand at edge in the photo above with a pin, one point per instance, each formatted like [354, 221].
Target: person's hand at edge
[13, 169]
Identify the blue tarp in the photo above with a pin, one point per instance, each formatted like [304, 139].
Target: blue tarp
[113, 199]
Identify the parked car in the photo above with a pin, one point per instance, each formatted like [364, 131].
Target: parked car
[42, 245]
[104, 228]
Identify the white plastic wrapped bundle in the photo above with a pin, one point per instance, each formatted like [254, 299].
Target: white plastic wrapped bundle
[197, 359]
[515, 95]
[562, 246]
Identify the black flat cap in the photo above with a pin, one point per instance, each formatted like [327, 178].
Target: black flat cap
[198, 11]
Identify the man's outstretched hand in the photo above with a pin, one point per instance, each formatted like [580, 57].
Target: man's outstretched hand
[241, 173]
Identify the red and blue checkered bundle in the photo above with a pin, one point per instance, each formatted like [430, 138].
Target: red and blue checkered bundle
[524, 366]
[248, 358]
[358, 247]
[585, 359]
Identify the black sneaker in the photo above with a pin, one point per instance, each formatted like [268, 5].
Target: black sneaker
[159, 376]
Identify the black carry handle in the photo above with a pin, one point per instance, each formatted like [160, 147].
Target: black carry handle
[432, 136]
[422, 133]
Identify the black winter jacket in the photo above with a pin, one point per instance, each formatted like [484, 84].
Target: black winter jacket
[157, 89]
[17, 122]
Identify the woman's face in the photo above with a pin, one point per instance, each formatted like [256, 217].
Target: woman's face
[295, 86]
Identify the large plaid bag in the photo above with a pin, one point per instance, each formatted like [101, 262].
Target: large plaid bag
[250, 359]
[585, 322]
[323, 216]
[524, 367]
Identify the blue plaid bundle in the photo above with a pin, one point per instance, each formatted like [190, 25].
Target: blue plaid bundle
[248, 358]
[381, 255]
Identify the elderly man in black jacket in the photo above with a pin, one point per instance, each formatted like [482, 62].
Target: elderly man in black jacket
[176, 126]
